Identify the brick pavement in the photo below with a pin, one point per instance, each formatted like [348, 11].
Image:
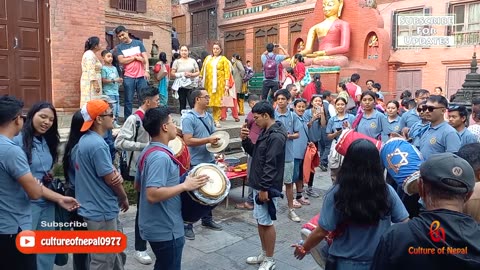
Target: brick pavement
[228, 249]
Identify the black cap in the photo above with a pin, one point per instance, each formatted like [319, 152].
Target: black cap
[448, 166]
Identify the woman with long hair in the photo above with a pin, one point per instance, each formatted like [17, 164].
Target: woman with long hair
[313, 88]
[336, 124]
[316, 117]
[215, 75]
[80, 261]
[369, 120]
[392, 123]
[161, 70]
[299, 67]
[91, 80]
[359, 208]
[39, 140]
[185, 67]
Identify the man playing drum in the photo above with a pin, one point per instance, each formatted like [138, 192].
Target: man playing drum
[133, 138]
[158, 178]
[265, 177]
[197, 128]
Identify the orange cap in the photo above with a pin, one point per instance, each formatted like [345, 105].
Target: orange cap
[91, 110]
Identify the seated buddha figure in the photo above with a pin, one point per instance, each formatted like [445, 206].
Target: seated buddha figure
[333, 35]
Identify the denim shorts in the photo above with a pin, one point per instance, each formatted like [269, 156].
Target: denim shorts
[260, 211]
[297, 170]
[288, 173]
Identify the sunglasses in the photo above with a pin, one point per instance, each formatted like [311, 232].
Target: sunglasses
[428, 108]
[109, 115]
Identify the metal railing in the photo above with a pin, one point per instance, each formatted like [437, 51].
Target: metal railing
[465, 38]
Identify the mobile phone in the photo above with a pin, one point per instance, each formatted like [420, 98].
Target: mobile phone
[338, 129]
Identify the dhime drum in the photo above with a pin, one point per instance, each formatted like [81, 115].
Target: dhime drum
[410, 185]
[348, 136]
[197, 203]
[402, 161]
[181, 152]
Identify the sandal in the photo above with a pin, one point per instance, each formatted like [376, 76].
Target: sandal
[304, 201]
[244, 206]
[223, 119]
[296, 204]
[237, 119]
[217, 124]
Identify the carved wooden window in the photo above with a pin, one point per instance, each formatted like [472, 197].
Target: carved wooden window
[130, 5]
[234, 3]
[467, 23]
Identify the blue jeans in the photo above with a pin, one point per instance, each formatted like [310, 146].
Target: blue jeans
[324, 147]
[130, 85]
[43, 212]
[116, 105]
[168, 254]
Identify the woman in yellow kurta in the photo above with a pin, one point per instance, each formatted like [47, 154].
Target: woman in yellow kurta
[91, 80]
[215, 75]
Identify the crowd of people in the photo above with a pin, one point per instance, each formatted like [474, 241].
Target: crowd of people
[290, 127]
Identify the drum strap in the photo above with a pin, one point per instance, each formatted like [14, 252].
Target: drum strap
[158, 148]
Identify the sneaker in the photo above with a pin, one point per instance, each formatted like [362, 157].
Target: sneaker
[189, 234]
[293, 216]
[323, 168]
[212, 225]
[142, 257]
[256, 259]
[267, 265]
[312, 193]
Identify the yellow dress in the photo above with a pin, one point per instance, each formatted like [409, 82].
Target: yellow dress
[91, 71]
[223, 74]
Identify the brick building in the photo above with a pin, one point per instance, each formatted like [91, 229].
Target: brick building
[41, 48]
[415, 68]
[245, 26]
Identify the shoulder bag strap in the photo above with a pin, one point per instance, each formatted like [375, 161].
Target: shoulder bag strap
[199, 118]
[158, 148]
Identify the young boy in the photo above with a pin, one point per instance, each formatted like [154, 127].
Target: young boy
[111, 82]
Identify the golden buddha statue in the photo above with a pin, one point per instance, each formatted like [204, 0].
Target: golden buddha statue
[333, 35]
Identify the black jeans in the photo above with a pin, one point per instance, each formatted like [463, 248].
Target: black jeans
[168, 254]
[140, 244]
[184, 95]
[269, 87]
[11, 258]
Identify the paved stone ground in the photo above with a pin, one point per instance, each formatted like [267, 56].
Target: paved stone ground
[228, 249]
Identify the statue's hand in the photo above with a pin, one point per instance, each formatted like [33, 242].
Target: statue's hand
[320, 53]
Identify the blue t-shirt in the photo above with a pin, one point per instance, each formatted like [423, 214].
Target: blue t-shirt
[466, 137]
[161, 221]
[300, 144]
[315, 131]
[394, 126]
[192, 124]
[439, 139]
[278, 58]
[42, 161]
[409, 118]
[15, 209]
[110, 73]
[335, 122]
[98, 202]
[358, 242]
[372, 125]
[416, 132]
[292, 125]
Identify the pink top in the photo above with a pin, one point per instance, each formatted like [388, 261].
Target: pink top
[299, 70]
[255, 130]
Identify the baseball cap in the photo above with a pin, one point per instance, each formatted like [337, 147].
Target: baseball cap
[448, 166]
[91, 110]
[108, 99]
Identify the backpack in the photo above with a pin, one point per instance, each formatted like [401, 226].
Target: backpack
[248, 74]
[270, 67]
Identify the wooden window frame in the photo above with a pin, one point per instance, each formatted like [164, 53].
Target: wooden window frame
[472, 37]
[140, 6]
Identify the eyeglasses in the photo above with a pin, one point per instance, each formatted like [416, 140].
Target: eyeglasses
[21, 115]
[206, 97]
[171, 122]
[428, 108]
[109, 115]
